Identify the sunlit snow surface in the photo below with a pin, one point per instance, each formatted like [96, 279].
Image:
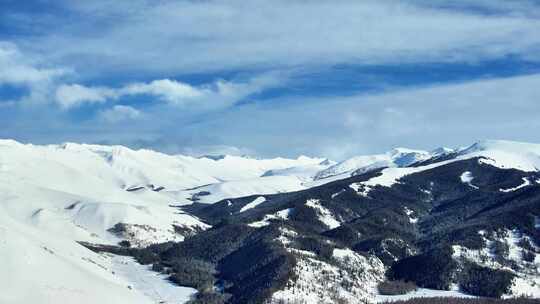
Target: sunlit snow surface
[410, 214]
[324, 215]
[352, 279]
[399, 157]
[280, 215]
[53, 196]
[467, 178]
[142, 279]
[501, 154]
[525, 183]
[422, 293]
[256, 202]
[40, 267]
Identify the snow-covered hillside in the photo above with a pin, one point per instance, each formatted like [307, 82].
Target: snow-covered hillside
[53, 196]
[399, 157]
[506, 154]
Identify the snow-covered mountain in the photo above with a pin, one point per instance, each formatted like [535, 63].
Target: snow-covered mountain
[506, 154]
[54, 196]
[398, 157]
[472, 215]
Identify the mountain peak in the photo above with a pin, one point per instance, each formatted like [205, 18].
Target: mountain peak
[503, 145]
[9, 142]
[442, 151]
[402, 150]
[214, 157]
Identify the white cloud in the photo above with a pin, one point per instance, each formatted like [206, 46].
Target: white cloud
[188, 36]
[214, 95]
[120, 113]
[23, 71]
[16, 69]
[44, 85]
[183, 37]
[172, 91]
[69, 96]
[218, 94]
[337, 127]
[449, 114]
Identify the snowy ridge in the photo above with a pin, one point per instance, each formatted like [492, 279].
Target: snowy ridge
[506, 154]
[399, 157]
[239, 188]
[304, 172]
[501, 154]
[127, 167]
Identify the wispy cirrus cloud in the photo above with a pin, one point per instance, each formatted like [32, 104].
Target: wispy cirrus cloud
[194, 36]
[17, 69]
[20, 71]
[47, 84]
[424, 117]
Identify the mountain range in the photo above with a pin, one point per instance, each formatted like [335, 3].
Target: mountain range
[107, 224]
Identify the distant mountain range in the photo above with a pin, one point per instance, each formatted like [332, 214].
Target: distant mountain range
[454, 222]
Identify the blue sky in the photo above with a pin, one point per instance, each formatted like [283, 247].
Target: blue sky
[270, 78]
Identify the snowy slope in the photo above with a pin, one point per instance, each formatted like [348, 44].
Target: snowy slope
[154, 285]
[239, 188]
[304, 172]
[399, 157]
[41, 267]
[506, 154]
[68, 191]
[300, 176]
[501, 154]
[50, 199]
[53, 196]
[54, 269]
[128, 168]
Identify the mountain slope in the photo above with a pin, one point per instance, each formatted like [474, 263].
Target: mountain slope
[51, 197]
[398, 157]
[412, 220]
[274, 231]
